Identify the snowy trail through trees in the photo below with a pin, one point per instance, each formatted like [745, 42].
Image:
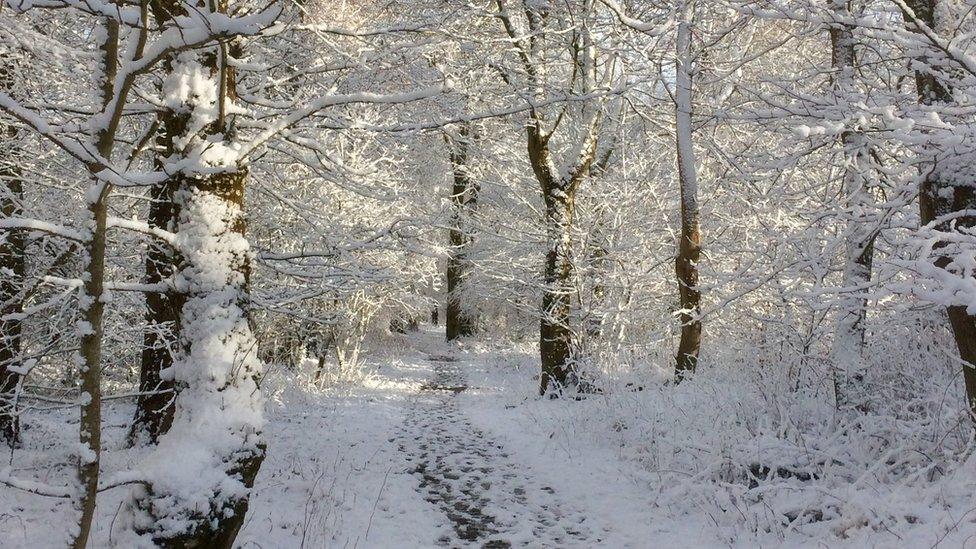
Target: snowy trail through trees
[498, 274]
[431, 450]
[437, 446]
[490, 500]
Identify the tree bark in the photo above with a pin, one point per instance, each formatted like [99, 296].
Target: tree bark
[320, 368]
[92, 303]
[559, 195]
[92, 311]
[218, 373]
[464, 197]
[943, 192]
[155, 406]
[12, 272]
[219, 406]
[555, 334]
[847, 349]
[689, 243]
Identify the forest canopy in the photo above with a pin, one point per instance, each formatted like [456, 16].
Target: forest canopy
[733, 242]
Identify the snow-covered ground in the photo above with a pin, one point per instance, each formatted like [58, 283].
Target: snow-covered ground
[449, 446]
[433, 449]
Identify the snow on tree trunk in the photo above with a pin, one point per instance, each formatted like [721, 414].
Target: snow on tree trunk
[559, 184]
[90, 352]
[555, 335]
[689, 244]
[12, 270]
[947, 192]
[201, 497]
[201, 472]
[464, 197]
[846, 354]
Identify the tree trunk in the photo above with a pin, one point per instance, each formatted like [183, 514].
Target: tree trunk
[846, 354]
[559, 185]
[92, 305]
[13, 267]
[559, 195]
[155, 405]
[91, 376]
[219, 408]
[217, 369]
[689, 243]
[944, 191]
[555, 334]
[464, 198]
[154, 408]
[320, 369]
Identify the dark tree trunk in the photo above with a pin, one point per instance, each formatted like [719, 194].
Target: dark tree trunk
[154, 408]
[942, 192]
[555, 334]
[464, 197]
[13, 263]
[686, 268]
[559, 194]
[320, 368]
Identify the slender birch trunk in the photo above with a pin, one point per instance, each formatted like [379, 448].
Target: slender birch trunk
[689, 243]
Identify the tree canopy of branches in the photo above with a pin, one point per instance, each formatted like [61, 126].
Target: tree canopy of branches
[195, 195]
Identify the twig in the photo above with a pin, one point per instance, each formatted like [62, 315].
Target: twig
[376, 503]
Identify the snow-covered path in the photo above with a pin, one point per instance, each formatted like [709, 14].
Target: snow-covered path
[438, 450]
[439, 446]
[489, 499]
[444, 446]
